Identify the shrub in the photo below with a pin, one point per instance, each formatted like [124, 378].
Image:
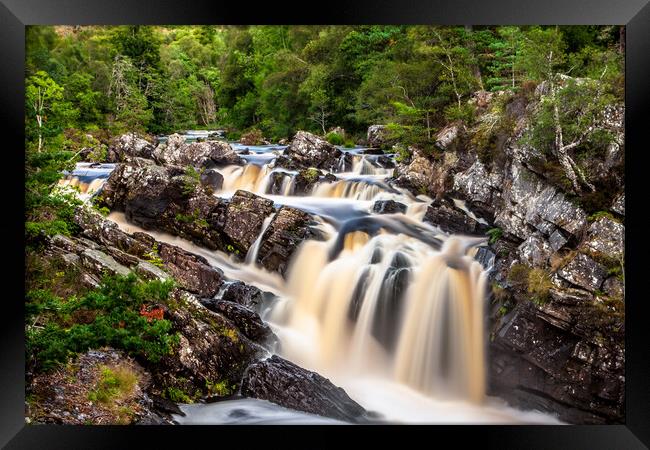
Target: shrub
[114, 383]
[176, 395]
[335, 138]
[115, 321]
[539, 285]
[518, 275]
[495, 234]
[252, 137]
[153, 257]
[221, 388]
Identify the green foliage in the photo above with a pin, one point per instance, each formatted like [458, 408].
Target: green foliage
[495, 234]
[335, 138]
[177, 395]
[600, 215]
[311, 174]
[221, 388]
[252, 137]
[191, 180]
[107, 316]
[154, 257]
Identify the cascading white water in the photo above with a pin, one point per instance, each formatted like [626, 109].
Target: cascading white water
[393, 306]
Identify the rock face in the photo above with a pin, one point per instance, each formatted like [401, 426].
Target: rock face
[424, 174]
[288, 385]
[284, 234]
[545, 358]
[243, 294]
[606, 236]
[583, 271]
[211, 348]
[175, 151]
[308, 150]
[249, 322]
[127, 146]
[244, 219]
[452, 220]
[191, 271]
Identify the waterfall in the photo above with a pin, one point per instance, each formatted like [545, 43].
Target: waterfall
[251, 255]
[391, 305]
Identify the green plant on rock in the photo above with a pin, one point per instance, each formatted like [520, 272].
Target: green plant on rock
[518, 275]
[495, 234]
[220, 388]
[176, 395]
[311, 174]
[114, 383]
[191, 180]
[154, 257]
[539, 285]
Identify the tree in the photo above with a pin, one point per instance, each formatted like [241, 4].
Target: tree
[503, 65]
[45, 101]
[206, 107]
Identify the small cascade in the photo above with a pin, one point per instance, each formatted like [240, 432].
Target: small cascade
[251, 255]
[356, 190]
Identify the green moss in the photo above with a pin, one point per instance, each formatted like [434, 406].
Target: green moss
[311, 174]
[518, 275]
[153, 257]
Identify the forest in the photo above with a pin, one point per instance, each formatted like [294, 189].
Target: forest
[217, 190]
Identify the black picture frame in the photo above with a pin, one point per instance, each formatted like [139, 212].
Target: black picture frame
[16, 14]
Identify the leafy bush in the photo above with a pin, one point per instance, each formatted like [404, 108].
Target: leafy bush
[113, 319]
[334, 138]
[495, 234]
[252, 137]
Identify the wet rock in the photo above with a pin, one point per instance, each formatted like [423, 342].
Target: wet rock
[305, 180]
[584, 272]
[388, 207]
[246, 320]
[451, 220]
[282, 382]
[288, 229]
[606, 235]
[486, 257]
[150, 272]
[283, 142]
[244, 219]
[212, 178]
[243, 294]
[191, 271]
[535, 251]
[377, 135]
[308, 150]
[211, 348]
[129, 145]
[176, 151]
[542, 358]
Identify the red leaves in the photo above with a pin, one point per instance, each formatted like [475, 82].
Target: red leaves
[150, 314]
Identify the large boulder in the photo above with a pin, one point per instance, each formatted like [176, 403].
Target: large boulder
[176, 151]
[211, 350]
[388, 207]
[288, 229]
[452, 220]
[450, 136]
[129, 145]
[243, 294]
[246, 320]
[244, 218]
[480, 186]
[426, 174]
[308, 150]
[280, 381]
[377, 135]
